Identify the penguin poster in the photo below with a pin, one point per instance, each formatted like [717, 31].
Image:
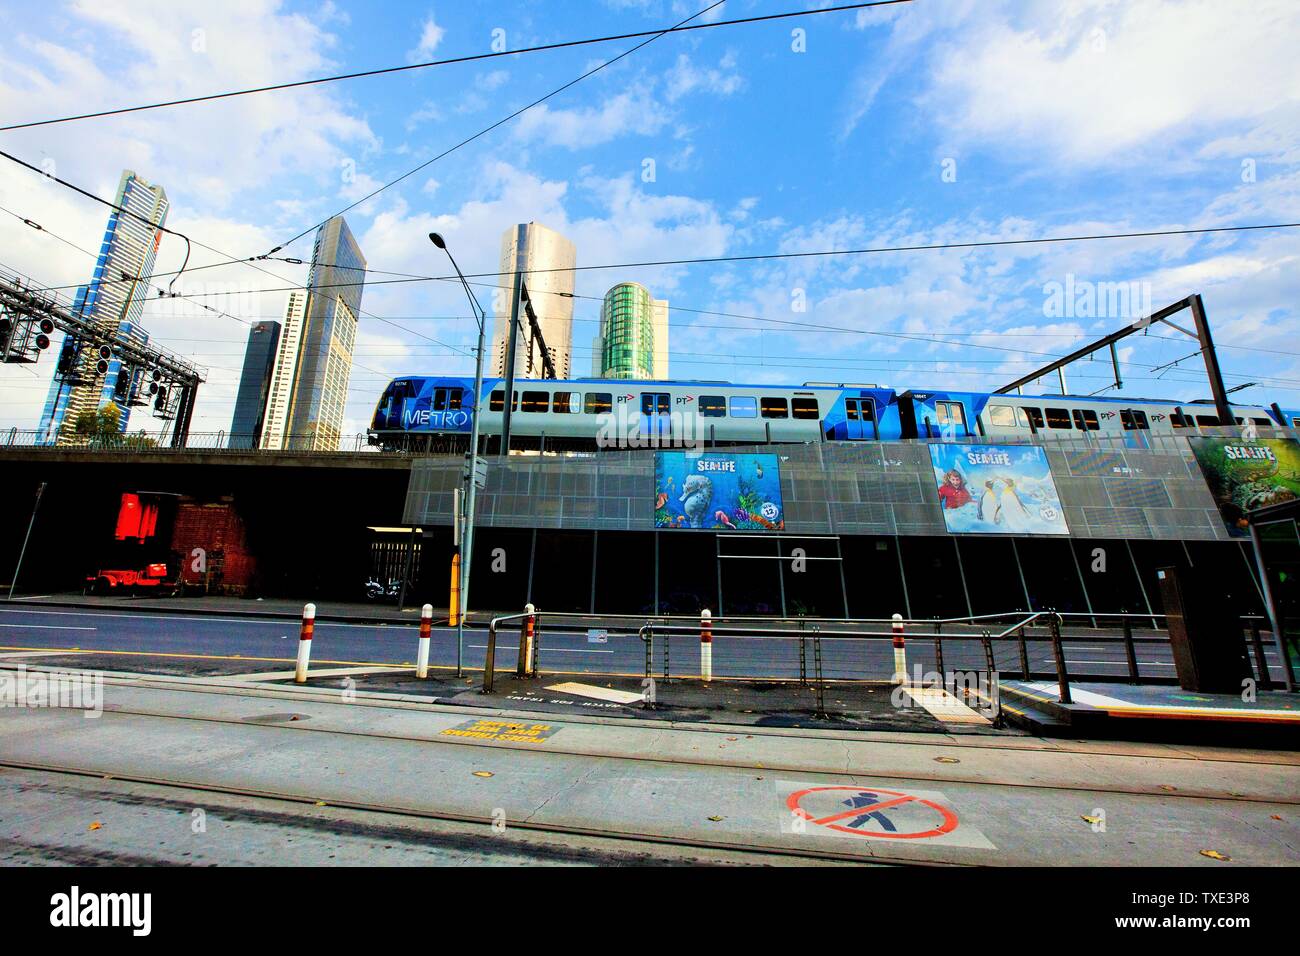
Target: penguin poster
[718, 492]
[996, 489]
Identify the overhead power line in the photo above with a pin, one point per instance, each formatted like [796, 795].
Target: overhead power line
[680, 28]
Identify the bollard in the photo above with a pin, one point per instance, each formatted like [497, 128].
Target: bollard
[900, 651]
[526, 636]
[706, 645]
[453, 601]
[426, 627]
[304, 643]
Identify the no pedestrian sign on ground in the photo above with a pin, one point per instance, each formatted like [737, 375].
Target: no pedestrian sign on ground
[874, 813]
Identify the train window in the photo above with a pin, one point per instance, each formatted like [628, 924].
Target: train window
[859, 409]
[1003, 416]
[774, 407]
[950, 413]
[851, 409]
[1295, 423]
[454, 397]
[1058, 418]
[566, 403]
[744, 406]
[535, 402]
[713, 406]
[497, 401]
[1266, 422]
[1131, 418]
[599, 403]
[1035, 416]
[804, 408]
[439, 400]
[1207, 421]
[1085, 419]
[1179, 420]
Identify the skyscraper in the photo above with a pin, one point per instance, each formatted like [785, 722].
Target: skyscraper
[547, 259]
[254, 385]
[114, 300]
[276, 416]
[322, 359]
[633, 340]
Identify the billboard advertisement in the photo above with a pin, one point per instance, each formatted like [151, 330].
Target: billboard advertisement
[1245, 475]
[997, 489]
[714, 491]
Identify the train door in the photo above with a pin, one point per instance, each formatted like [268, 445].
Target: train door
[655, 408]
[860, 419]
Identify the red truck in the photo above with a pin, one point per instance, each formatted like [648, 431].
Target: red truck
[152, 579]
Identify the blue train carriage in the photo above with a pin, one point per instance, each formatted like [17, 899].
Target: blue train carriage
[941, 414]
[581, 414]
[436, 413]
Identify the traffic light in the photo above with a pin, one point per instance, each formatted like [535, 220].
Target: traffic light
[105, 353]
[43, 337]
[122, 387]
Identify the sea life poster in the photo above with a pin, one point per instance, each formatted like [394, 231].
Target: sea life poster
[712, 491]
[996, 489]
[1245, 475]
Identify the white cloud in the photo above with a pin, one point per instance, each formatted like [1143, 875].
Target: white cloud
[430, 36]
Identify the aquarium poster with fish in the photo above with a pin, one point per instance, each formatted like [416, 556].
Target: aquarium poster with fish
[1245, 475]
[997, 489]
[709, 491]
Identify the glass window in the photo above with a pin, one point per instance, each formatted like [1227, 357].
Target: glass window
[1131, 418]
[439, 400]
[1266, 422]
[774, 407]
[713, 406]
[535, 402]
[804, 408]
[1004, 416]
[950, 413]
[454, 397]
[851, 409]
[1035, 416]
[497, 401]
[566, 403]
[1208, 421]
[599, 403]
[744, 406]
[1085, 419]
[653, 403]
[1058, 418]
[1180, 421]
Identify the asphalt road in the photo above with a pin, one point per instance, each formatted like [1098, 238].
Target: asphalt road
[242, 641]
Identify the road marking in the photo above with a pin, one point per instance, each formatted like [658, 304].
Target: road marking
[50, 627]
[873, 813]
[599, 693]
[503, 730]
[944, 706]
[549, 649]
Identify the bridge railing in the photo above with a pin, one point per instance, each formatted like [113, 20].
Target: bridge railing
[159, 442]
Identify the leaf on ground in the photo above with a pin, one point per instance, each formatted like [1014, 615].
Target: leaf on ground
[1087, 819]
[946, 760]
[482, 773]
[1274, 816]
[1215, 855]
[716, 819]
[95, 826]
[320, 803]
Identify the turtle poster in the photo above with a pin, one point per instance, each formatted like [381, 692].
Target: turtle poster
[996, 489]
[1245, 475]
[718, 492]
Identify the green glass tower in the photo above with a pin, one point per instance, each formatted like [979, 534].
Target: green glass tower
[633, 340]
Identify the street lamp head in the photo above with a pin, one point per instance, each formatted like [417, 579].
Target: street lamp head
[437, 240]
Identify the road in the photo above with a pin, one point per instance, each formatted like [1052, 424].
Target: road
[246, 639]
[779, 793]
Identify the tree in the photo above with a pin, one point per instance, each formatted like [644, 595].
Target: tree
[99, 424]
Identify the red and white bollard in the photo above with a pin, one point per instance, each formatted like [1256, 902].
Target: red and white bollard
[530, 633]
[304, 643]
[706, 645]
[900, 651]
[426, 628]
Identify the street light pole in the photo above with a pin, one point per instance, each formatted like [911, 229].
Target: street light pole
[467, 533]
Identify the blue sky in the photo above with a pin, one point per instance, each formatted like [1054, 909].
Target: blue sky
[932, 121]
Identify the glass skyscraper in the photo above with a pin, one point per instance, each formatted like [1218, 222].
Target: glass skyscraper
[547, 259]
[633, 340]
[254, 385]
[323, 360]
[114, 300]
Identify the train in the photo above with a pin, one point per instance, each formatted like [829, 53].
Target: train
[435, 413]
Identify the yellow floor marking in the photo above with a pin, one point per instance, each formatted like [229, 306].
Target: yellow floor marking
[944, 706]
[599, 693]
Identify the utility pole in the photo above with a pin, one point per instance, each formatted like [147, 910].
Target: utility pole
[40, 490]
